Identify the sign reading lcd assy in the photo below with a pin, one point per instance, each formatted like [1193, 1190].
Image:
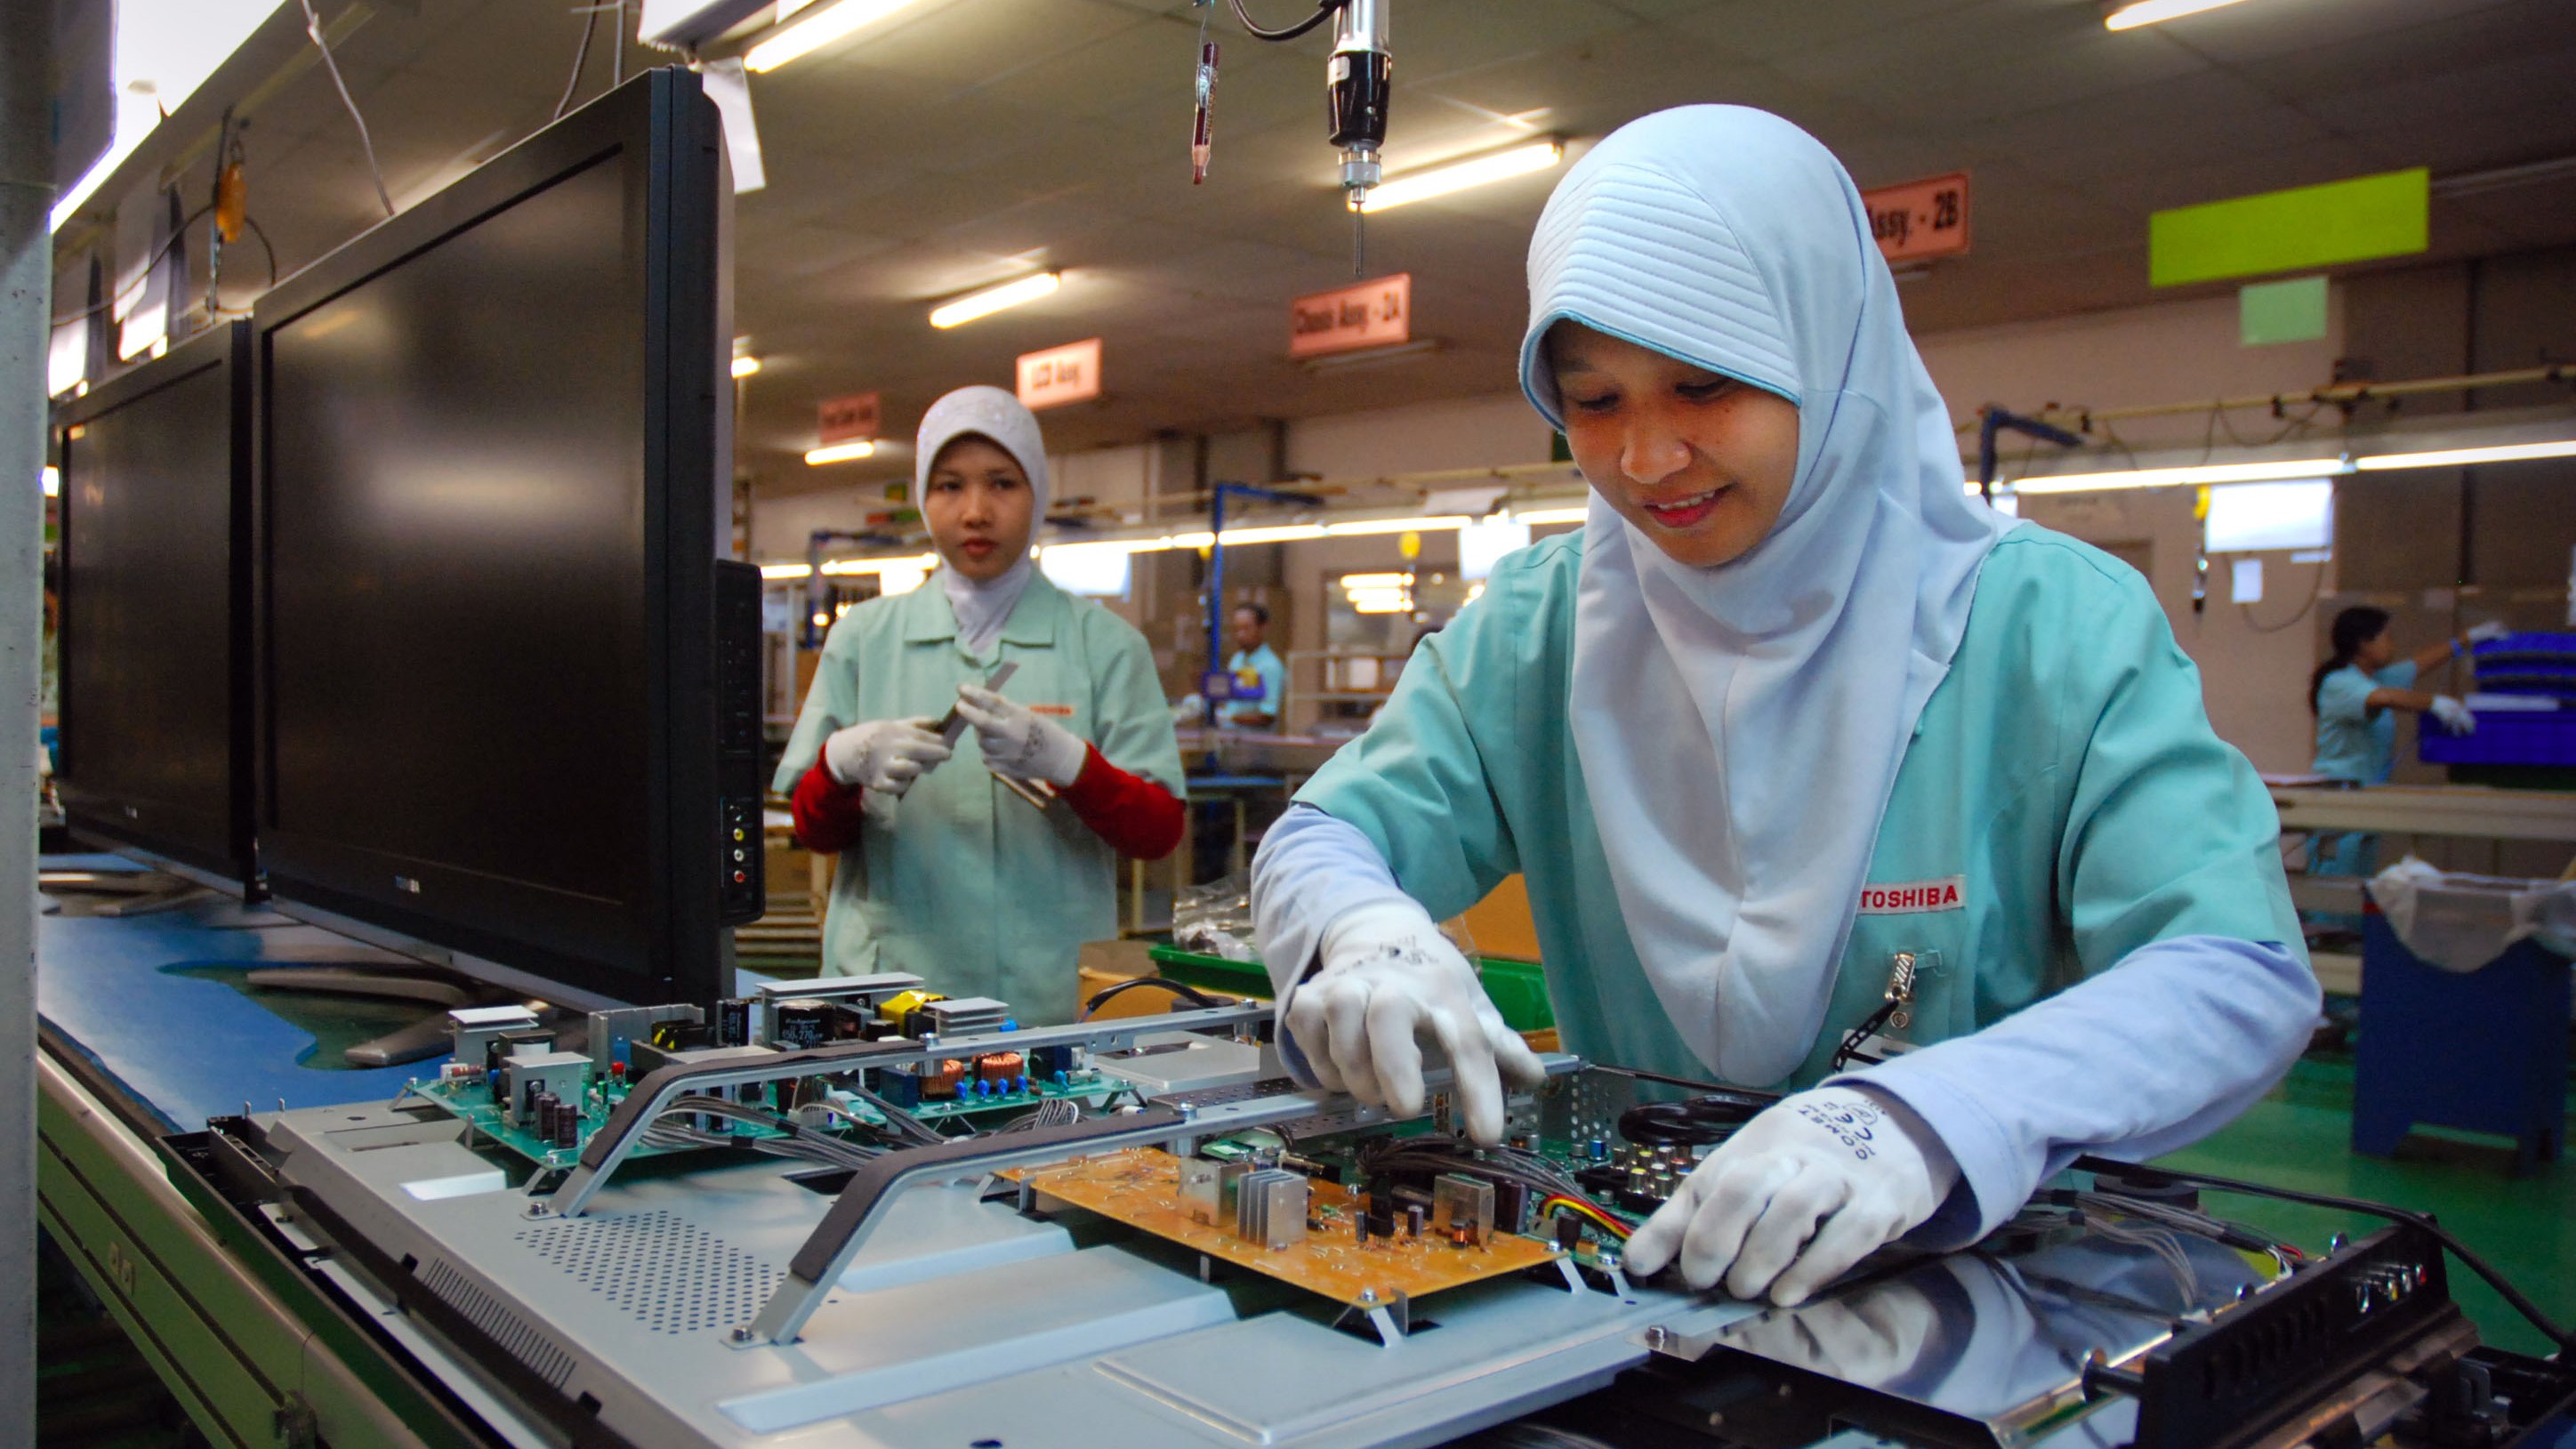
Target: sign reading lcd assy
[1368, 314]
[1060, 375]
[847, 419]
[2305, 227]
[1920, 220]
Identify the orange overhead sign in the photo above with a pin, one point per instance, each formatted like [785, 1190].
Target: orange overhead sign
[847, 419]
[1920, 219]
[1365, 314]
[1060, 375]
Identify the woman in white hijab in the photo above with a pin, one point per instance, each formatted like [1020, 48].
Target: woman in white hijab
[948, 872]
[1809, 760]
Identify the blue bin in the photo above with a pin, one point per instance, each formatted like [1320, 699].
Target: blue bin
[2503, 737]
[2485, 1050]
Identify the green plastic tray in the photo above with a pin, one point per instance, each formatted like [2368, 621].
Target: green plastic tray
[1519, 988]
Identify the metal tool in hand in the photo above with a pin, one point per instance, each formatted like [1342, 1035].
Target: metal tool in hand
[952, 728]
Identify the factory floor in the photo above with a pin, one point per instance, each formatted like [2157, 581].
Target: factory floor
[2300, 1136]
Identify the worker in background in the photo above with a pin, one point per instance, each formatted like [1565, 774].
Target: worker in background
[1259, 677]
[2354, 695]
[1821, 774]
[945, 871]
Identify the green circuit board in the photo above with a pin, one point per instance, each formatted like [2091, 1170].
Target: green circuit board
[470, 1100]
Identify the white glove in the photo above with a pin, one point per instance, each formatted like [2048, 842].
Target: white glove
[884, 756]
[2491, 629]
[1388, 980]
[1811, 1186]
[2455, 716]
[1020, 742]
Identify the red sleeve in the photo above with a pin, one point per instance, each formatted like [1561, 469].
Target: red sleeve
[827, 812]
[1132, 813]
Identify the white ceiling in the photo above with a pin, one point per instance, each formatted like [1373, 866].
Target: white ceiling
[969, 141]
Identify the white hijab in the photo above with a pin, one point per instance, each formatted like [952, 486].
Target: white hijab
[997, 416]
[1740, 727]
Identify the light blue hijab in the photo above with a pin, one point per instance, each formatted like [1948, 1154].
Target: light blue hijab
[1739, 727]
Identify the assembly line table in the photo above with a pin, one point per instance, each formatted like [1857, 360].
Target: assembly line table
[141, 1036]
[144, 1033]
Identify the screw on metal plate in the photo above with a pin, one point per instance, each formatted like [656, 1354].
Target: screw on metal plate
[1658, 1336]
[1368, 1295]
[2336, 1243]
[742, 1335]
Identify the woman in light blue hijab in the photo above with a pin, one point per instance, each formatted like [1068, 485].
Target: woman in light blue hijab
[1821, 774]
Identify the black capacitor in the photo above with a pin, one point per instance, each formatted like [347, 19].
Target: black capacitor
[1359, 1228]
[1511, 1207]
[733, 1022]
[544, 1116]
[567, 1124]
[803, 1022]
[1413, 1218]
[530, 1095]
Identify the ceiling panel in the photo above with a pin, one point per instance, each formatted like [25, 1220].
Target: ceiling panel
[968, 141]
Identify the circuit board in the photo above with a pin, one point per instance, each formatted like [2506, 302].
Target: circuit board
[472, 1101]
[1141, 1188]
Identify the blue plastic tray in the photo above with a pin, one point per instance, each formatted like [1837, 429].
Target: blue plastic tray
[2504, 737]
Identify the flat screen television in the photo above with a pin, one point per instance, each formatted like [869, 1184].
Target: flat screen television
[490, 658]
[154, 638]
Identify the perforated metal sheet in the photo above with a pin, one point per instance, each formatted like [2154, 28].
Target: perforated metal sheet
[669, 1274]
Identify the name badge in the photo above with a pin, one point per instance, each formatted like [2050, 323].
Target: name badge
[1903, 898]
[1055, 711]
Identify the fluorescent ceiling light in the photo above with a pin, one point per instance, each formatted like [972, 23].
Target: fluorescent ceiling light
[815, 31]
[784, 571]
[163, 50]
[1436, 524]
[1098, 573]
[1483, 543]
[745, 366]
[1358, 583]
[2183, 477]
[1458, 176]
[839, 452]
[993, 299]
[902, 579]
[1282, 533]
[1188, 541]
[1111, 545]
[2462, 457]
[1539, 516]
[2148, 12]
[854, 567]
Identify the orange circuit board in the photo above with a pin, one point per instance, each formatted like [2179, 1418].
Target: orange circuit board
[1141, 1188]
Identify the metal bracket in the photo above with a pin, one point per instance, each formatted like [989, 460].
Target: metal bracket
[854, 1214]
[1391, 1322]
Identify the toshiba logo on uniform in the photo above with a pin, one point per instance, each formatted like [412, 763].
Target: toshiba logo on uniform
[1950, 893]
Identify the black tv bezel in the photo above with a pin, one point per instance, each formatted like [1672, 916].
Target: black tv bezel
[664, 943]
[217, 846]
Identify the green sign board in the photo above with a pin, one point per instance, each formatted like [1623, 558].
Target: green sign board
[2299, 229]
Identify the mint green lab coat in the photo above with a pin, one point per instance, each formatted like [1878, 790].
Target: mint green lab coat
[2063, 802]
[961, 880]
